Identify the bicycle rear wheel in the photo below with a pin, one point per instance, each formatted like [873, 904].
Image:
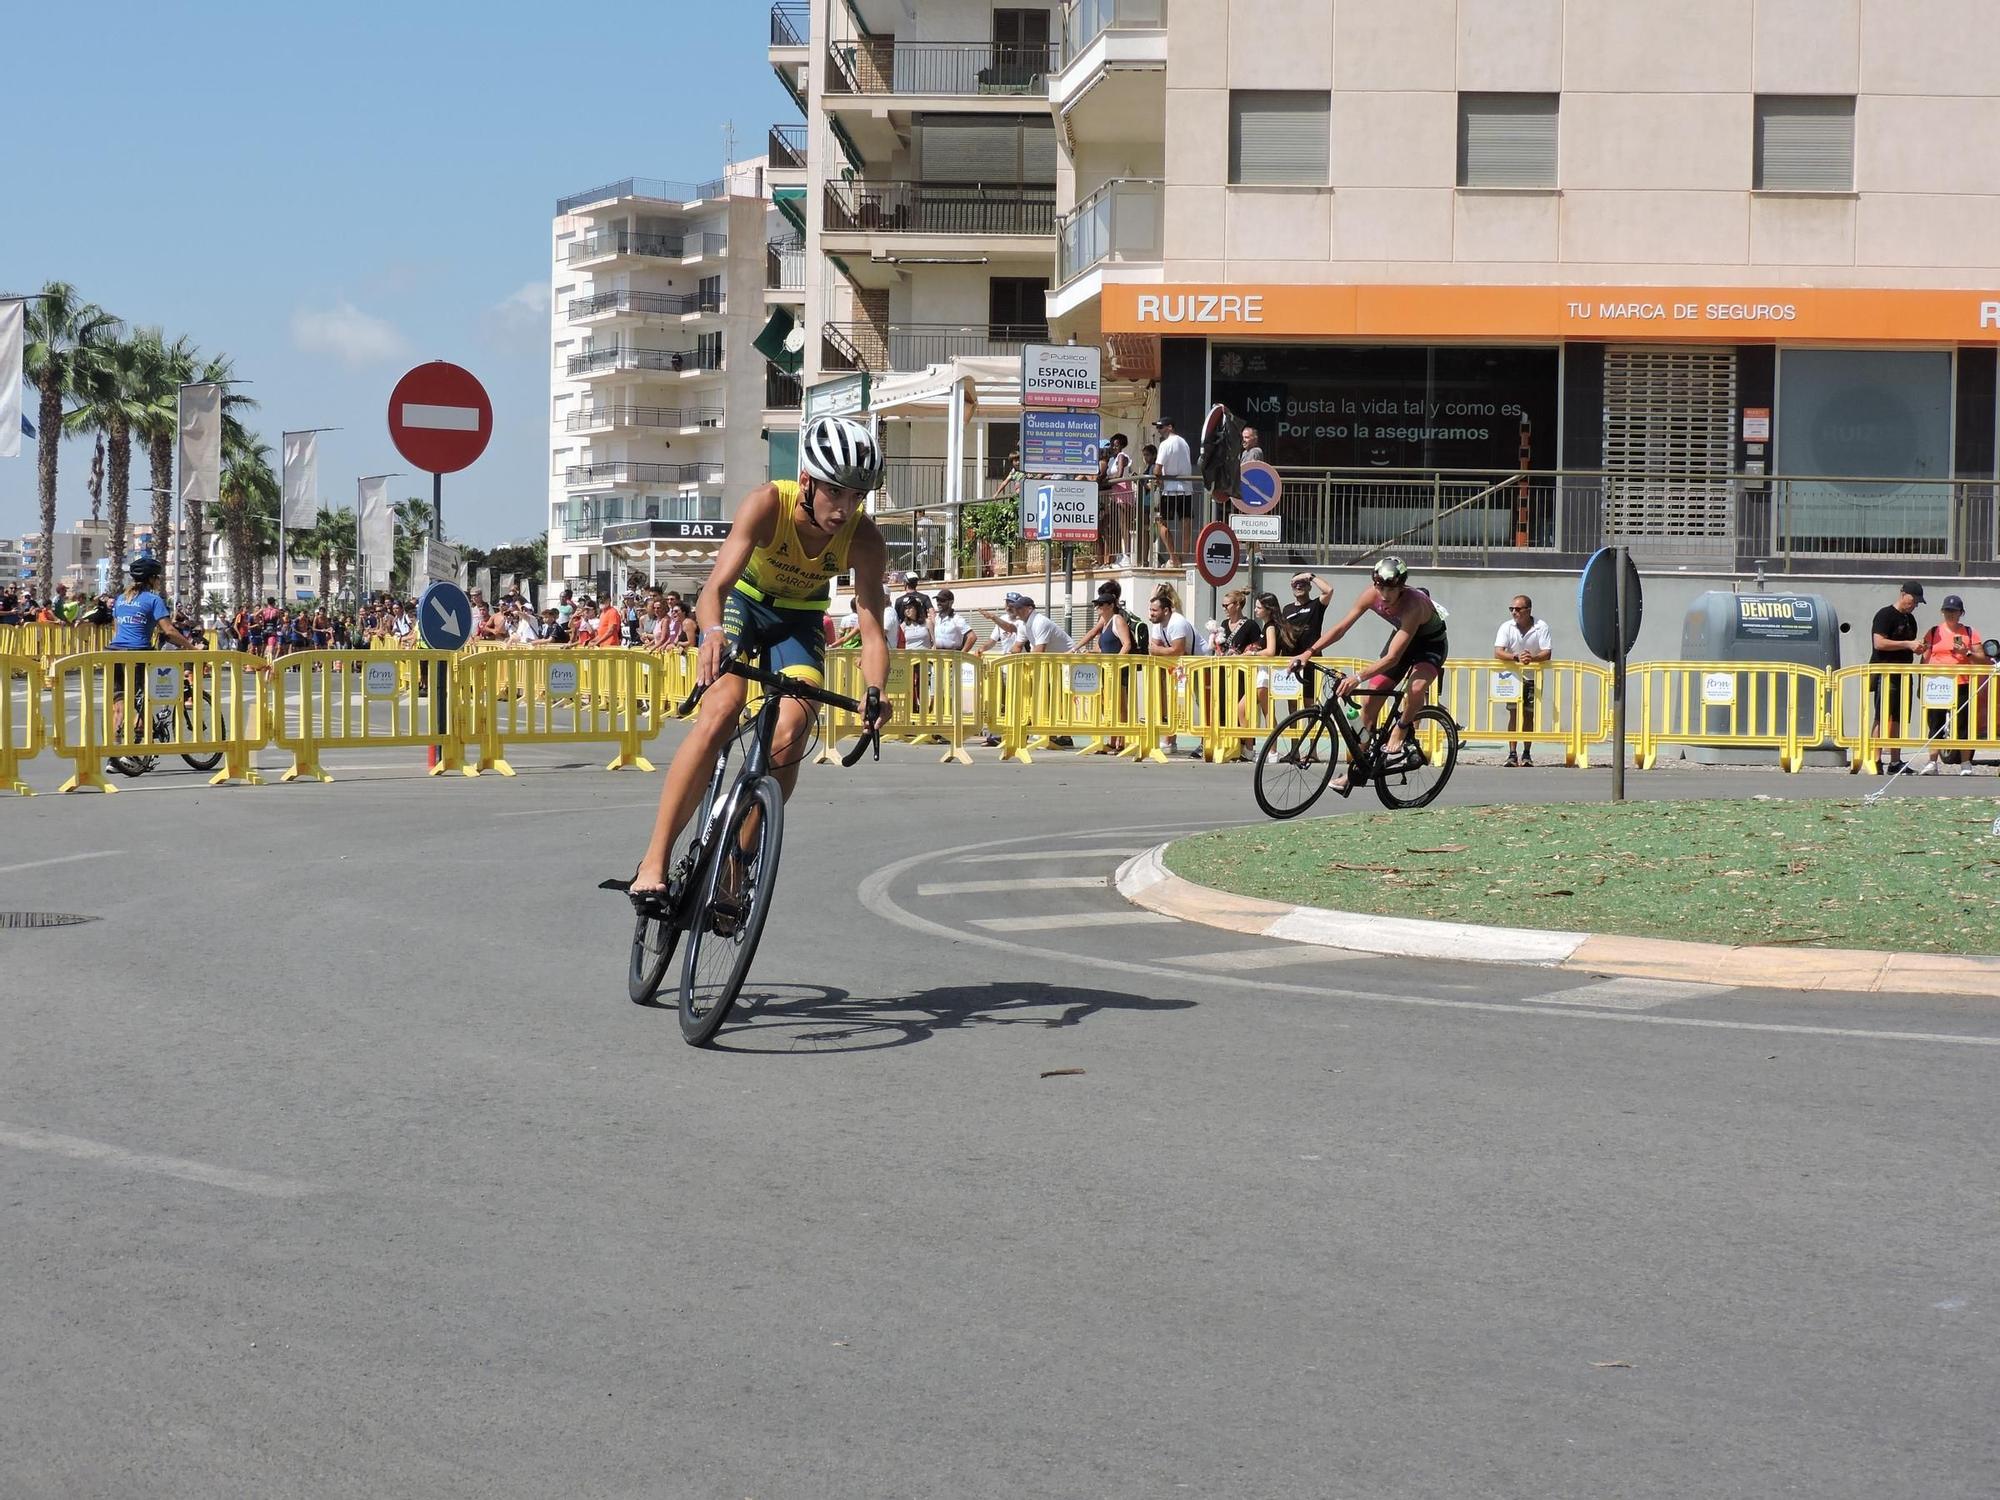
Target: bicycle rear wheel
[655, 939]
[1417, 784]
[1295, 763]
[221, 723]
[735, 898]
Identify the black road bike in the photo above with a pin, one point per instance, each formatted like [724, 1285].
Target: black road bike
[724, 866]
[163, 727]
[1297, 759]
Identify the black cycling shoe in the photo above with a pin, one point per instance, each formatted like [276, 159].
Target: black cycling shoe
[659, 903]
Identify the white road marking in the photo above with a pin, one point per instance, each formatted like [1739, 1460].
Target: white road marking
[874, 894]
[1259, 958]
[1034, 855]
[1629, 994]
[1070, 919]
[60, 859]
[441, 418]
[79, 1149]
[543, 812]
[1026, 883]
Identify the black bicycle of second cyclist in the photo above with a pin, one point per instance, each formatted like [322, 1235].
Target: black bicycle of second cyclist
[1297, 759]
[724, 865]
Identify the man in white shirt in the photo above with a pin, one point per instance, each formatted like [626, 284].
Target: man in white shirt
[949, 628]
[1175, 467]
[1035, 631]
[1172, 634]
[1523, 641]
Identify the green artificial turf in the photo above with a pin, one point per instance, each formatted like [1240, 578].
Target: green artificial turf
[1917, 874]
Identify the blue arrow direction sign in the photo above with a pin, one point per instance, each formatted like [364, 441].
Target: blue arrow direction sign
[444, 617]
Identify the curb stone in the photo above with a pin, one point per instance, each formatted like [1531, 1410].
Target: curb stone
[1145, 881]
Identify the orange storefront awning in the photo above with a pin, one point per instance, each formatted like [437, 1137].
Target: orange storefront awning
[1679, 314]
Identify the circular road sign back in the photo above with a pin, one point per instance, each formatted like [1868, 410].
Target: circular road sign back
[1258, 489]
[440, 418]
[1216, 553]
[1597, 601]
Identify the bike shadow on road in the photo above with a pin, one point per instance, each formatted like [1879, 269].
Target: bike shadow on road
[794, 1019]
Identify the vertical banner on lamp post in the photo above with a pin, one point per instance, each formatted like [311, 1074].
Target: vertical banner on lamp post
[378, 534]
[200, 446]
[301, 503]
[12, 340]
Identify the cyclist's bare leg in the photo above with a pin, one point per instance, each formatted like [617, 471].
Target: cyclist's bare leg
[1415, 693]
[687, 776]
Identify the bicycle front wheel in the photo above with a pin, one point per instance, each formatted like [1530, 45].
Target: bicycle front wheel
[735, 898]
[221, 723]
[1295, 763]
[1416, 783]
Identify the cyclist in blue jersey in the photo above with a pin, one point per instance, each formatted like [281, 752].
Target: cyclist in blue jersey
[138, 614]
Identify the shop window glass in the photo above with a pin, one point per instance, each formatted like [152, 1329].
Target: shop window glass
[1864, 440]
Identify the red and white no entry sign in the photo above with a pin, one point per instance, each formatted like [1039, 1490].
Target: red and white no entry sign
[1215, 554]
[440, 418]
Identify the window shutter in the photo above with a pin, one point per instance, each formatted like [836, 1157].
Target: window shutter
[1805, 143]
[1278, 136]
[1507, 140]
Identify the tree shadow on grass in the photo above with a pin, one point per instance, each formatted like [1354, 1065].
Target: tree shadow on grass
[793, 1019]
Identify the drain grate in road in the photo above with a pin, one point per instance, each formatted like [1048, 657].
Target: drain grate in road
[42, 919]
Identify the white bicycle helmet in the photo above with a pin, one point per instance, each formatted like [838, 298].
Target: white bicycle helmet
[839, 452]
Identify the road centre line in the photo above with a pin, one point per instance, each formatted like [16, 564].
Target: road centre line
[873, 893]
[1026, 883]
[79, 1149]
[59, 859]
[1134, 918]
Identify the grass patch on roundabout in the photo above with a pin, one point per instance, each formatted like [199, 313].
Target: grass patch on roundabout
[1914, 874]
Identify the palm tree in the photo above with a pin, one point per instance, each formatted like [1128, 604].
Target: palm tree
[413, 524]
[108, 401]
[159, 369]
[331, 540]
[247, 512]
[219, 371]
[64, 337]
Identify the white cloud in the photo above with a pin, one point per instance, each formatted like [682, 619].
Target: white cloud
[348, 334]
[520, 320]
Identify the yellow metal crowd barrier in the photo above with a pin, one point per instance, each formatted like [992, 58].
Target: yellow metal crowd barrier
[1566, 704]
[1946, 710]
[22, 729]
[341, 700]
[1768, 705]
[1102, 701]
[935, 702]
[45, 641]
[215, 705]
[540, 695]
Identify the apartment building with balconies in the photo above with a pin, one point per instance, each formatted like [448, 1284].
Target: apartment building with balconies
[657, 392]
[1719, 278]
[930, 224]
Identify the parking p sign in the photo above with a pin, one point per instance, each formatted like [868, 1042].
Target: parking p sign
[1059, 510]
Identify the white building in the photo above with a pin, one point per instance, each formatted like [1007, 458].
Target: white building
[656, 392]
[11, 570]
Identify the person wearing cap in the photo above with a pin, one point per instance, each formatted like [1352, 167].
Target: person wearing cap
[1305, 615]
[1175, 470]
[1892, 637]
[1950, 643]
[949, 629]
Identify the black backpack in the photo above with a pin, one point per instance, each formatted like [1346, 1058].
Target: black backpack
[1138, 628]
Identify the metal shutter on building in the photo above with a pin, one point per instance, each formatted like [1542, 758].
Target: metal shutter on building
[1805, 143]
[1278, 136]
[1669, 447]
[1507, 140]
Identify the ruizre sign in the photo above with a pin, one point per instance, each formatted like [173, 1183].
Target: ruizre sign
[1060, 375]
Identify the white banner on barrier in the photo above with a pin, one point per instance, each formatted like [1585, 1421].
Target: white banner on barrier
[379, 679]
[1085, 680]
[562, 679]
[1506, 688]
[1940, 692]
[1718, 689]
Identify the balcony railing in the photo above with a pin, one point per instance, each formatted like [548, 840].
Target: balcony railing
[940, 208]
[912, 346]
[1120, 221]
[621, 471]
[782, 392]
[1086, 20]
[704, 244]
[919, 483]
[882, 65]
[785, 265]
[635, 187]
[787, 147]
[598, 418]
[674, 361]
[791, 23]
[665, 304]
[625, 242]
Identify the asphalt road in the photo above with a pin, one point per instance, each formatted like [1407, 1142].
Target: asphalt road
[333, 1161]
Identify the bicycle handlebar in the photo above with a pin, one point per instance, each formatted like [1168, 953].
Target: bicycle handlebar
[789, 687]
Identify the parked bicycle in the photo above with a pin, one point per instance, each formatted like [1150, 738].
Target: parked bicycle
[724, 867]
[1298, 758]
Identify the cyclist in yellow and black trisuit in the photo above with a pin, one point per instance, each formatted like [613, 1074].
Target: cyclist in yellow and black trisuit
[768, 593]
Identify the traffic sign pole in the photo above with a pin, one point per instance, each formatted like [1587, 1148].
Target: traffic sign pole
[1618, 687]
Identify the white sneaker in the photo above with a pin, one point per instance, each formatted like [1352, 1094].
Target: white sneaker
[1965, 770]
[1930, 768]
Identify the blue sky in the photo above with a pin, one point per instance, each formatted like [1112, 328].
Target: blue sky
[333, 193]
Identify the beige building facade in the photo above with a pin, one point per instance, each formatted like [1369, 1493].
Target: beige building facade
[1717, 277]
